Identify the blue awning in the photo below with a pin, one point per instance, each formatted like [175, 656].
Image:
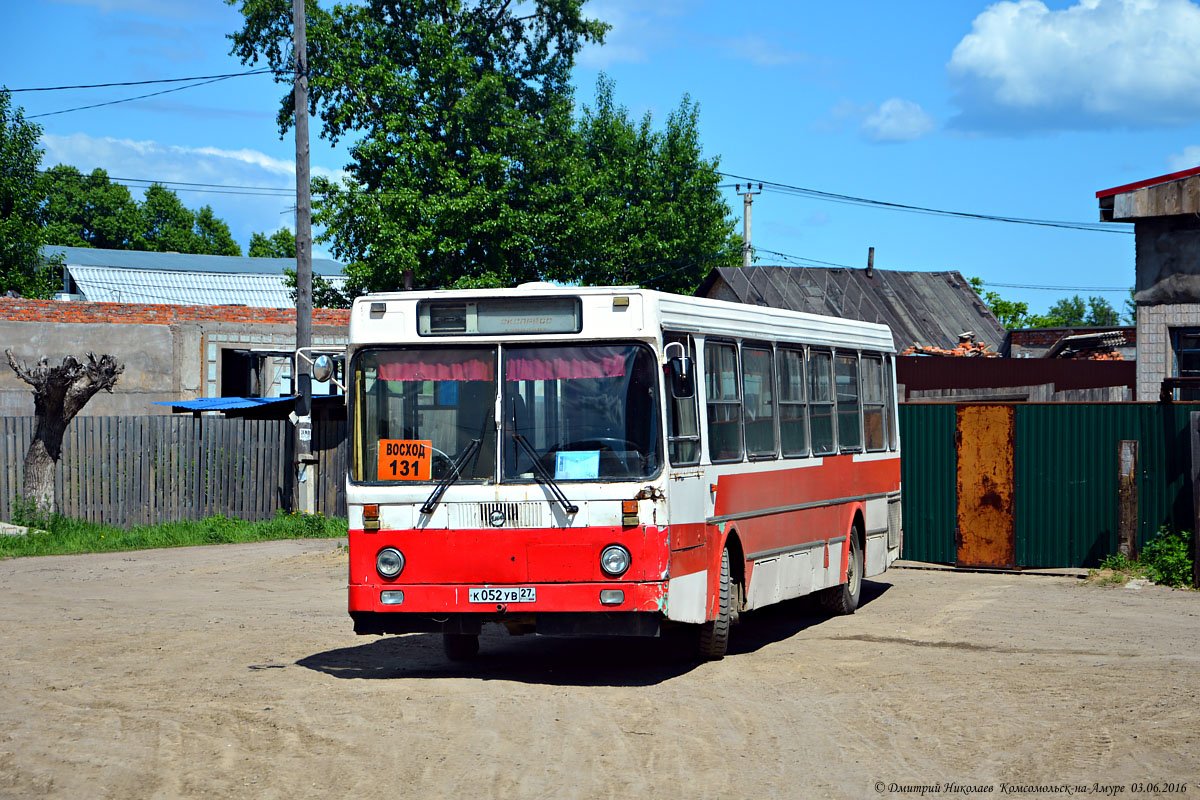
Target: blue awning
[223, 403]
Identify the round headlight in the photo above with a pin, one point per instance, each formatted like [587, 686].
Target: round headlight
[389, 562]
[614, 560]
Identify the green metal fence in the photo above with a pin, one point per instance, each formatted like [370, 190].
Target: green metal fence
[1065, 487]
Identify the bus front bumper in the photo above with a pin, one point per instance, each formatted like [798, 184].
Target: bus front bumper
[557, 608]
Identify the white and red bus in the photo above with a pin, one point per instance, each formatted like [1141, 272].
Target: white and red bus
[611, 461]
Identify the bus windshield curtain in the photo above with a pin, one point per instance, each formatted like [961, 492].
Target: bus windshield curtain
[434, 366]
[560, 363]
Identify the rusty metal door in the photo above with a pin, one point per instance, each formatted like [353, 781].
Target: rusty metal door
[985, 532]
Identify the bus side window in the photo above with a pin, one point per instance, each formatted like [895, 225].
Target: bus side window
[758, 381]
[873, 404]
[820, 402]
[724, 404]
[845, 374]
[892, 411]
[793, 431]
[683, 425]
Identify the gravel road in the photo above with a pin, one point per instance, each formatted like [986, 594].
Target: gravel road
[232, 671]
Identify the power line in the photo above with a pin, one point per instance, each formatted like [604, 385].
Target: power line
[259, 71]
[800, 191]
[126, 99]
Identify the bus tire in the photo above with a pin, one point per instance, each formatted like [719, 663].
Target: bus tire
[460, 646]
[714, 634]
[843, 599]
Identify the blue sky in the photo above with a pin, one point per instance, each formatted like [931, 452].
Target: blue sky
[1020, 109]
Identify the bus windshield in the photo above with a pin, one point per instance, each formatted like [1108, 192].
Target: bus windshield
[441, 396]
[589, 411]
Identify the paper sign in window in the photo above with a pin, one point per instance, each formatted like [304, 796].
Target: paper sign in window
[404, 460]
[577, 465]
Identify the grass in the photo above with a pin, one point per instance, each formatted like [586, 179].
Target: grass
[1166, 560]
[58, 535]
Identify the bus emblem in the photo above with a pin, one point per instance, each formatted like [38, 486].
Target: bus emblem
[497, 517]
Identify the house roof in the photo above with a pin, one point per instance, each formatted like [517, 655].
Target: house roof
[1130, 187]
[924, 308]
[184, 279]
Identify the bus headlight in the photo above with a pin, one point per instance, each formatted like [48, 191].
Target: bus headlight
[614, 560]
[390, 562]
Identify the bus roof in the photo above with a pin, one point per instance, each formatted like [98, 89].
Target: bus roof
[672, 312]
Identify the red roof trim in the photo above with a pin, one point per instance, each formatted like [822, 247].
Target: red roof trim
[1129, 187]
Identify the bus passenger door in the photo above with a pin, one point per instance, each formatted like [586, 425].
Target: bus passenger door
[686, 500]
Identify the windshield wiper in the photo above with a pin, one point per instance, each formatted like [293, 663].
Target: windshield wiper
[455, 471]
[543, 475]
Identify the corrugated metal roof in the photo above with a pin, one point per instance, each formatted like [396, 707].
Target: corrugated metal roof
[927, 308]
[123, 285]
[183, 262]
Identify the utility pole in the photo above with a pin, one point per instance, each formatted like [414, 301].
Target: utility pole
[748, 200]
[306, 495]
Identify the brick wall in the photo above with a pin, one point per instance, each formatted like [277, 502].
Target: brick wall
[20, 310]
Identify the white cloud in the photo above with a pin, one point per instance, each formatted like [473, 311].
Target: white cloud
[127, 158]
[1190, 157]
[763, 52]
[1096, 64]
[897, 120]
[637, 28]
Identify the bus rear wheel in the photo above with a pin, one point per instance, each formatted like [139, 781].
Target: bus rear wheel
[460, 646]
[714, 634]
[844, 599]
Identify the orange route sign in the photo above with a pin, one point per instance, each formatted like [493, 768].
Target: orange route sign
[404, 460]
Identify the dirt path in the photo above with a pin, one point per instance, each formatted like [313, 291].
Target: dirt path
[232, 672]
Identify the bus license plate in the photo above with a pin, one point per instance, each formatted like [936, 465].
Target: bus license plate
[503, 594]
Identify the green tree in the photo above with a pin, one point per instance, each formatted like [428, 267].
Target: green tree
[168, 225]
[90, 211]
[22, 268]
[645, 207]
[280, 244]
[1067, 312]
[1011, 314]
[459, 108]
[212, 234]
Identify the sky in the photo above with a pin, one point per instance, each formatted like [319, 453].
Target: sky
[1017, 109]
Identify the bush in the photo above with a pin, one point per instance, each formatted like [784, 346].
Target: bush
[1168, 558]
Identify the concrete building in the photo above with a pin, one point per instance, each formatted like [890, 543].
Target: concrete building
[1165, 212]
[170, 352]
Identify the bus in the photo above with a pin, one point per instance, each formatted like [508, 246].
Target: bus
[611, 461]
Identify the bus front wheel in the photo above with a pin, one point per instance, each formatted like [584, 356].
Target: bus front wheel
[714, 634]
[460, 646]
[843, 599]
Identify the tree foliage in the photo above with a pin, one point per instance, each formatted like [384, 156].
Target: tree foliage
[21, 266]
[280, 244]
[468, 166]
[92, 211]
[1067, 312]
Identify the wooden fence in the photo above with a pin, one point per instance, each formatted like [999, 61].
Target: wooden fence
[146, 470]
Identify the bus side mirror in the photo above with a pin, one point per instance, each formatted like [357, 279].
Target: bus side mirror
[683, 381]
[322, 368]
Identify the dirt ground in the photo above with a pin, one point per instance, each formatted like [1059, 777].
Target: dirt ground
[232, 671]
